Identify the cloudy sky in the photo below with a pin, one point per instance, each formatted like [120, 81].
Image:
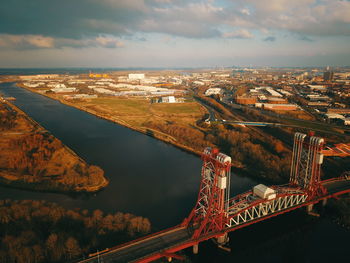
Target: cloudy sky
[174, 33]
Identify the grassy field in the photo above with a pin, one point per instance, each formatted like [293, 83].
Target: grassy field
[177, 108]
[137, 112]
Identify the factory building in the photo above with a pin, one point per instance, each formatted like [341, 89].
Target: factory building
[245, 100]
[63, 90]
[168, 99]
[284, 107]
[136, 76]
[212, 91]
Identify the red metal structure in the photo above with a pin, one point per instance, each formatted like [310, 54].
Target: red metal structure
[215, 213]
[210, 212]
[306, 164]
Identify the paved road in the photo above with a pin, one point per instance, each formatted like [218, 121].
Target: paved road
[143, 248]
[210, 110]
[301, 122]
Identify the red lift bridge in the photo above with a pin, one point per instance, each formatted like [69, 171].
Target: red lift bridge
[216, 213]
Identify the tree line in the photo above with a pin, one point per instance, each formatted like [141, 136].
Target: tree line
[40, 231]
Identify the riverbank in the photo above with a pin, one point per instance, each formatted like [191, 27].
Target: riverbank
[144, 130]
[33, 159]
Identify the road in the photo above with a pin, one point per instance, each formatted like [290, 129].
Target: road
[144, 247]
[210, 110]
[324, 127]
[297, 123]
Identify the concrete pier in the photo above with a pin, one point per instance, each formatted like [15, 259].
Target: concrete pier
[222, 240]
[310, 211]
[324, 202]
[195, 249]
[309, 208]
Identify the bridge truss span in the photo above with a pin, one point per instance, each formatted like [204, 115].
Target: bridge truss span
[251, 208]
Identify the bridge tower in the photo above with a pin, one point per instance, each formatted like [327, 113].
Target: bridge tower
[307, 158]
[210, 212]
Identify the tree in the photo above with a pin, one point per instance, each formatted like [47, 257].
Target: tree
[38, 253]
[97, 216]
[72, 247]
[52, 247]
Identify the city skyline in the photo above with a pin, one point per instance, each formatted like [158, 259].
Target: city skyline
[178, 33]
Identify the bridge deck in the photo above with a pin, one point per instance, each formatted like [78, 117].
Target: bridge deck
[145, 247]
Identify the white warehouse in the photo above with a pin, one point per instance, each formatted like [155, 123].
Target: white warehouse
[212, 91]
[134, 76]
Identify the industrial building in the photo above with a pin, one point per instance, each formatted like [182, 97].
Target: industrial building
[213, 91]
[246, 100]
[320, 88]
[284, 107]
[63, 90]
[274, 100]
[168, 99]
[136, 76]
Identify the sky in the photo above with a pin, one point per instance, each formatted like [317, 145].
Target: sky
[174, 33]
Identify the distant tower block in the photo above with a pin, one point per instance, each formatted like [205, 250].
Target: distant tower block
[328, 74]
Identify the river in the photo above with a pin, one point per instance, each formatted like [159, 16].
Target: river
[156, 180]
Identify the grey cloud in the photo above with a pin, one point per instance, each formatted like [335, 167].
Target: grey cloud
[88, 19]
[240, 34]
[77, 19]
[270, 38]
[305, 38]
[68, 18]
[25, 42]
[306, 17]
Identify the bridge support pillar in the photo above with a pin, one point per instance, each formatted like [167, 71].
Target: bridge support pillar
[195, 249]
[309, 208]
[310, 212]
[222, 240]
[324, 202]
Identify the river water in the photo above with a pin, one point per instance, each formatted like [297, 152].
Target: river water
[156, 180]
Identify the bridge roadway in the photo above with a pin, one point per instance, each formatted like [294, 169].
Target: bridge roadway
[137, 250]
[177, 238]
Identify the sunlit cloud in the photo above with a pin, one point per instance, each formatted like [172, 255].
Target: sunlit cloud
[241, 34]
[24, 42]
